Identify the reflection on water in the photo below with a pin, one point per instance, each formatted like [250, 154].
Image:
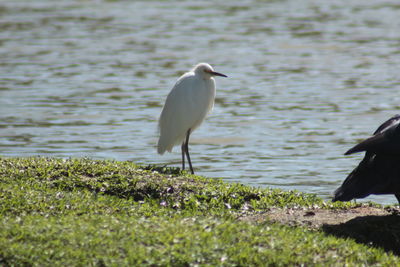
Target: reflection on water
[306, 82]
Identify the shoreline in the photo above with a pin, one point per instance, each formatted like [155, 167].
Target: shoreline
[178, 216]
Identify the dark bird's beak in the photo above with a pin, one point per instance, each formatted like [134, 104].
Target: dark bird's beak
[216, 73]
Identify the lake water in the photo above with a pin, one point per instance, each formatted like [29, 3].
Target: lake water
[307, 81]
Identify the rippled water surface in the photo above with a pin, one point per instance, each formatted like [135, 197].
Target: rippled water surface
[307, 80]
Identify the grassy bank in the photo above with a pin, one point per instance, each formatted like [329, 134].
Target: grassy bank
[81, 212]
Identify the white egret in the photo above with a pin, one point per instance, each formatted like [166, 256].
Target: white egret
[378, 173]
[188, 103]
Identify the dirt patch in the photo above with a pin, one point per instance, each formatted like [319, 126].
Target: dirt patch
[372, 226]
[316, 217]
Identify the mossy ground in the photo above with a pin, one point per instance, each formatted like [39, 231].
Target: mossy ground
[81, 212]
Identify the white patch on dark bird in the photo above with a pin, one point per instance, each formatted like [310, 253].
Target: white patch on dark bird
[187, 105]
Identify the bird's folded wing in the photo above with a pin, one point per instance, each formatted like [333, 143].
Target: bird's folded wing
[386, 139]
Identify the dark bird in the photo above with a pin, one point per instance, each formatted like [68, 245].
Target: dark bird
[379, 171]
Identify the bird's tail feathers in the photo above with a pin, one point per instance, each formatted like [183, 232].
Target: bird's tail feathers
[164, 144]
[160, 150]
[161, 147]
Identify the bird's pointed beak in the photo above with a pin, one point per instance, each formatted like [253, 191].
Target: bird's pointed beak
[216, 73]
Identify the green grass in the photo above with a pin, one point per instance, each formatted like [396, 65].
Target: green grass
[81, 212]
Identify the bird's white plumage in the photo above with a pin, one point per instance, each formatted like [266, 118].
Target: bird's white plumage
[188, 103]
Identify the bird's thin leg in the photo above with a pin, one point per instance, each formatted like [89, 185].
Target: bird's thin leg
[183, 155]
[187, 151]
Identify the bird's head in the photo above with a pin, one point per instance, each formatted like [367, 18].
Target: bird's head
[206, 71]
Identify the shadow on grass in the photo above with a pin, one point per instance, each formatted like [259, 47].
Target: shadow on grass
[163, 169]
[378, 231]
